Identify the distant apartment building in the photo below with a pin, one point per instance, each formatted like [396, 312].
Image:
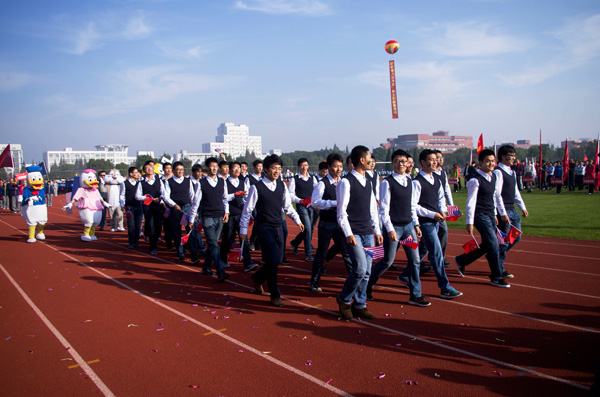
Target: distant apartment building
[17, 154]
[577, 142]
[233, 140]
[441, 140]
[113, 153]
[196, 158]
[521, 143]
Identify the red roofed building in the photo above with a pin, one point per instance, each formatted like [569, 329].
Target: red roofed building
[441, 140]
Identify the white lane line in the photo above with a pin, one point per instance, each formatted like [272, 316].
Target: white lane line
[554, 270]
[591, 258]
[153, 300]
[433, 343]
[70, 349]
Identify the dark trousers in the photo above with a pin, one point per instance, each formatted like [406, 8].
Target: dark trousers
[327, 230]
[306, 214]
[175, 222]
[271, 239]
[486, 225]
[153, 223]
[254, 236]
[229, 231]
[134, 223]
[168, 229]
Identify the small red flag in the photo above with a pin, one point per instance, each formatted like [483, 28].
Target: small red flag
[585, 158]
[409, 242]
[184, 239]
[6, 159]
[470, 245]
[512, 235]
[199, 227]
[235, 255]
[148, 200]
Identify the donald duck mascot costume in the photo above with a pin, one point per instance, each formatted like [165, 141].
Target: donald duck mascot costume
[33, 206]
[89, 203]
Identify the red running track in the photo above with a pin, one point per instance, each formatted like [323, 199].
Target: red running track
[98, 319]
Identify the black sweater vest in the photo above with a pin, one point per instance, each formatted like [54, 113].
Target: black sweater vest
[211, 205]
[359, 206]
[237, 204]
[330, 214]
[485, 195]
[304, 188]
[180, 192]
[269, 204]
[508, 189]
[429, 196]
[130, 190]
[400, 199]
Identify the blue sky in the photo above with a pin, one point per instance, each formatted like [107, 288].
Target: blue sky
[303, 74]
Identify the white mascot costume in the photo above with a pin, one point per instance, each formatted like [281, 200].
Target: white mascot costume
[113, 183]
[89, 203]
[33, 206]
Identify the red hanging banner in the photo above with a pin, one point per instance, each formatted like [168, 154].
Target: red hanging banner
[393, 90]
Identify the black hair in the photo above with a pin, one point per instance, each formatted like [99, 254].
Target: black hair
[485, 153]
[234, 163]
[243, 163]
[270, 160]
[209, 161]
[177, 164]
[131, 169]
[302, 160]
[348, 160]
[505, 150]
[196, 167]
[400, 153]
[222, 163]
[148, 163]
[323, 165]
[167, 163]
[256, 162]
[357, 153]
[423, 155]
[333, 157]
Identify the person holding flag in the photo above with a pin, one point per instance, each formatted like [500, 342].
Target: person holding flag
[398, 213]
[301, 189]
[358, 218]
[210, 202]
[510, 196]
[483, 201]
[131, 206]
[149, 192]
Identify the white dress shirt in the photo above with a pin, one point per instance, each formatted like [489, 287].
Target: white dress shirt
[198, 196]
[473, 188]
[518, 199]
[167, 191]
[122, 190]
[139, 195]
[385, 198]
[286, 204]
[446, 187]
[424, 212]
[292, 187]
[317, 197]
[343, 198]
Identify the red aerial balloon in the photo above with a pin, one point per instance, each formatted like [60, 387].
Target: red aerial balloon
[392, 46]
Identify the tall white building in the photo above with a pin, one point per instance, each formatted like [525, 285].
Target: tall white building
[17, 154]
[113, 153]
[234, 140]
[194, 157]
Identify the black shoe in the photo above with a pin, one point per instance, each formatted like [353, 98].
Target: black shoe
[251, 247]
[447, 264]
[277, 302]
[294, 248]
[426, 269]
[250, 267]
[393, 267]
[195, 261]
[314, 287]
[418, 301]
[223, 277]
[285, 261]
[500, 282]
[208, 272]
[181, 259]
[309, 258]
[324, 266]
[131, 246]
[257, 285]
[506, 274]
[369, 293]
[459, 267]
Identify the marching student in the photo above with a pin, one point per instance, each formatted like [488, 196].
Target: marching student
[269, 197]
[510, 194]
[195, 242]
[223, 169]
[323, 169]
[431, 210]
[398, 213]
[483, 202]
[324, 200]
[235, 197]
[357, 217]
[244, 168]
[179, 195]
[131, 206]
[257, 166]
[372, 176]
[167, 175]
[301, 188]
[151, 186]
[210, 203]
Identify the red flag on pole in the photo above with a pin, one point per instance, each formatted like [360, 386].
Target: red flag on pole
[470, 245]
[6, 159]
[480, 144]
[597, 152]
[566, 160]
[585, 158]
[540, 161]
[512, 235]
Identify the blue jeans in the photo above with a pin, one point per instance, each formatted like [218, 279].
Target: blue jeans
[134, 224]
[212, 231]
[196, 243]
[355, 285]
[443, 237]
[486, 226]
[306, 215]
[271, 240]
[327, 231]
[431, 240]
[390, 248]
[515, 220]
[229, 231]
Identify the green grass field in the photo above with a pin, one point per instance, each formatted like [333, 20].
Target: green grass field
[574, 215]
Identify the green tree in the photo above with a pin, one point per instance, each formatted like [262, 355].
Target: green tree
[99, 165]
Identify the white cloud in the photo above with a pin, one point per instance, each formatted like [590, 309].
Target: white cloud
[85, 39]
[308, 7]
[137, 28]
[578, 44]
[473, 39]
[10, 81]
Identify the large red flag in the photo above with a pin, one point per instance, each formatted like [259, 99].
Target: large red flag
[566, 160]
[540, 161]
[480, 144]
[597, 152]
[6, 159]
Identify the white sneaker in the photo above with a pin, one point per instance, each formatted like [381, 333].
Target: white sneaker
[120, 229]
[94, 238]
[113, 230]
[31, 240]
[40, 236]
[86, 238]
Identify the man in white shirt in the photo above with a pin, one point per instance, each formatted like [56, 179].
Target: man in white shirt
[301, 188]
